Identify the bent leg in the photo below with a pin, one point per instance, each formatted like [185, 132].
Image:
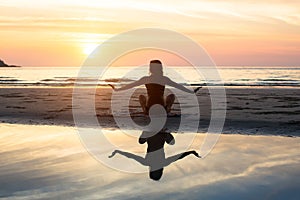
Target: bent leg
[179, 156]
[169, 102]
[143, 102]
[129, 155]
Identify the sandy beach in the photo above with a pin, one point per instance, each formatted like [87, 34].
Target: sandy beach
[50, 162]
[43, 157]
[261, 110]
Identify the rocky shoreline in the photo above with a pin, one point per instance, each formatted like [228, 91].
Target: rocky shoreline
[3, 64]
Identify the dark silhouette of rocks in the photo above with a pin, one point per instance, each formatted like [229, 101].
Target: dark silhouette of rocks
[3, 64]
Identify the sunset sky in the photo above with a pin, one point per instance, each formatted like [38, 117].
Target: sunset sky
[63, 32]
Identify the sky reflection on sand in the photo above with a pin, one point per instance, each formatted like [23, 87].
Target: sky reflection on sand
[50, 162]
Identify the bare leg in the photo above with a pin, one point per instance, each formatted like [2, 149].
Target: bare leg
[143, 102]
[169, 102]
[179, 156]
[129, 155]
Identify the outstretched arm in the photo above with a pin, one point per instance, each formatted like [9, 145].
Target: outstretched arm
[141, 81]
[129, 155]
[180, 156]
[180, 87]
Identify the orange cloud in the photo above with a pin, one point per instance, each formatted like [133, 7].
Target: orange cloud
[234, 33]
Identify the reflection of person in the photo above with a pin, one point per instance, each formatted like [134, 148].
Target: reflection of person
[155, 84]
[155, 157]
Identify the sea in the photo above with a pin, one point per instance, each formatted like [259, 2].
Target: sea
[228, 76]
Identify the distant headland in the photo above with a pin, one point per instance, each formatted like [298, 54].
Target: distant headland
[3, 64]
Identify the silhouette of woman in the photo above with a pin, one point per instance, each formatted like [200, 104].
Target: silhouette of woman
[155, 84]
[155, 157]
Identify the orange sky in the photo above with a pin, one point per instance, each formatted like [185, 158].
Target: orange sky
[62, 32]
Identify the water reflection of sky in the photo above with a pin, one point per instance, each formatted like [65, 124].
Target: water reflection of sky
[50, 162]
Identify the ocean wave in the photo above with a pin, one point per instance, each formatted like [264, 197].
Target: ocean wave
[9, 80]
[118, 80]
[86, 81]
[277, 80]
[92, 84]
[232, 76]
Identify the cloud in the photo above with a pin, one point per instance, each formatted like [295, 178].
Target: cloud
[274, 23]
[168, 13]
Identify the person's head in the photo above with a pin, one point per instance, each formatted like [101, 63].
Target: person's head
[155, 67]
[156, 174]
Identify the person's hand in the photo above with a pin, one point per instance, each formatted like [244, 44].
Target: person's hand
[196, 154]
[113, 154]
[112, 86]
[196, 90]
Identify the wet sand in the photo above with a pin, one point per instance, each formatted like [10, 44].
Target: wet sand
[50, 162]
[254, 111]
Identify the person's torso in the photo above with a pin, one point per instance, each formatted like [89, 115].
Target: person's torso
[155, 94]
[156, 142]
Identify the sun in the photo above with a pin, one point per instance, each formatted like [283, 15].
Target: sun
[88, 48]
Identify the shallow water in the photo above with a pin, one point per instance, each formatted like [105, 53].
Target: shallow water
[55, 165]
[230, 76]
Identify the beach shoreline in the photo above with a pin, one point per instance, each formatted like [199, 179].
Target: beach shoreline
[264, 111]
